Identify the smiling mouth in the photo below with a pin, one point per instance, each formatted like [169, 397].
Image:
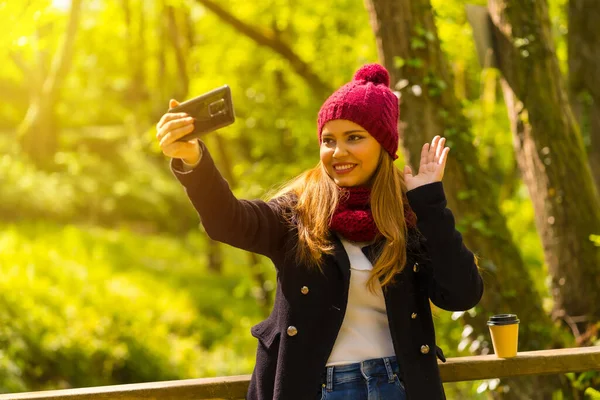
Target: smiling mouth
[343, 168]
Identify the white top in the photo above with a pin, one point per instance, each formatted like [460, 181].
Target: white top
[365, 332]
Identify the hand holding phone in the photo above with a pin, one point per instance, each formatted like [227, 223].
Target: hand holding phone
[211, 111]
[170, 128]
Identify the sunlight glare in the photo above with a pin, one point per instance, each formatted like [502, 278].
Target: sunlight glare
[61, 4]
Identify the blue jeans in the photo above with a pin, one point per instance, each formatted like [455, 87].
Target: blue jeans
[376, 379]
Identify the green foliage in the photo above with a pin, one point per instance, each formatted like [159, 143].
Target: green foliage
[83, 306]
[592, 394]
[587, 382]
[520, 218]
[131, 189]
[595, 239]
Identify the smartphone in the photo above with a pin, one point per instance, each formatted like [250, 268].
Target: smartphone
[211, 111]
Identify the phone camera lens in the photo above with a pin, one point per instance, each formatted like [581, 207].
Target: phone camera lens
[216, 108]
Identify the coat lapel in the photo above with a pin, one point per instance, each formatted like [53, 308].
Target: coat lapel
[341, 257]
[373, 250]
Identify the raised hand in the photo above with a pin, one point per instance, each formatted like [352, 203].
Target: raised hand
[432, 165]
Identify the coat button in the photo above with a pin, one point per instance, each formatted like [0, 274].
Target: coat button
[413, 315]
[304, 290]
[416, 267]
[424, 349]
[292, 331]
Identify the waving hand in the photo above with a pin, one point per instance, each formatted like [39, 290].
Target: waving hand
[433, 163]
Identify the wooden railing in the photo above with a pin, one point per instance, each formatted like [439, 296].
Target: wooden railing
[541, 362]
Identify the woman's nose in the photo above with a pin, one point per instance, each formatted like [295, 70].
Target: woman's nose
[339, 151]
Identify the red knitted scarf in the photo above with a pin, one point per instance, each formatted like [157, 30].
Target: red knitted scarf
[353, 218]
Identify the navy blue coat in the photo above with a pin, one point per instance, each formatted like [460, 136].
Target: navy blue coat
[295, 341]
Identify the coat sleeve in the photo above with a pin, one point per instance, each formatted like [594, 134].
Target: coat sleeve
[454, 282]
[252, 225]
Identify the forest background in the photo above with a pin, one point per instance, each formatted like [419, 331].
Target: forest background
[106, 275]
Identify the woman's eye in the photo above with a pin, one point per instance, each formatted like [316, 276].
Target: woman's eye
[327, 140]
[355, 137]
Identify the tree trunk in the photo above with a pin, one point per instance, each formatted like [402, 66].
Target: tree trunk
[215, 256]
[551, 157]
[584, 75]
[286, 138]
[38, 132]
[409, 47]
[160, 97]
[137, 92]
[178, 44]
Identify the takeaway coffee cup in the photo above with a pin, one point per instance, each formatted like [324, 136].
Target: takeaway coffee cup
[504, 329]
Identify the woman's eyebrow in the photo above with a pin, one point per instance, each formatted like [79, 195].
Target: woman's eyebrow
[353, 131]
[345, 133]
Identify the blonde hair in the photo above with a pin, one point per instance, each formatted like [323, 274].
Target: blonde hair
[312, 197]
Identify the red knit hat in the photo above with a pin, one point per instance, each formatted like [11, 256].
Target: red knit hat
[367, 101]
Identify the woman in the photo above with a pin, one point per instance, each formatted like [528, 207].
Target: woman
[359, 247]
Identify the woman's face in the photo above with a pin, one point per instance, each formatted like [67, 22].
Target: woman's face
[349, 153]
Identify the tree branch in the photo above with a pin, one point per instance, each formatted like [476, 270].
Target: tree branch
[17, 58]
[267, 38]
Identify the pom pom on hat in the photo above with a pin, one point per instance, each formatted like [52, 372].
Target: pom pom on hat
[373, 73]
